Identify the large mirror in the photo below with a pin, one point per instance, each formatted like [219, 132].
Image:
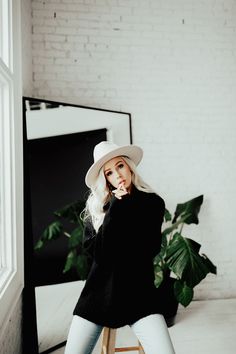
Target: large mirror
[58, 143]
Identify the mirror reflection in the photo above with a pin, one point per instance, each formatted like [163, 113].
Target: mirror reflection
[58, 136]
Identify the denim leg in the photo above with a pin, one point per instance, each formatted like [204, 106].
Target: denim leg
[83, 336]
[153, 334]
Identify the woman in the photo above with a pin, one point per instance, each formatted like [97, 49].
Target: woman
[123, 218]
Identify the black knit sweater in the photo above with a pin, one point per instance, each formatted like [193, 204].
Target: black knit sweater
[120, 288]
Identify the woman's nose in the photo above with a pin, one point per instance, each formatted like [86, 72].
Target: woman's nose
[118, 175]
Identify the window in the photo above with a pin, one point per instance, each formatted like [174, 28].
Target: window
[5, 197]
[11, 156]
[6, 31]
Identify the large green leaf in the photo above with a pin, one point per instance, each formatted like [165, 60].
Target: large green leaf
[167, 215]
[184, 260]
[78, 262]
[160, 256]
[190, 208]
[170, 229]
[71, 211]
[183, 293]
[159, 268]
[159, 276]
[76, 238]
[70, 261]
[212, 268]
[52, 232]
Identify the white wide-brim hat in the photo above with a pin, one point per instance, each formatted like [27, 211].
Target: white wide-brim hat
[105, 151]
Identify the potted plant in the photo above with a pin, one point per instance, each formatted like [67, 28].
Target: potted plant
[178, 268]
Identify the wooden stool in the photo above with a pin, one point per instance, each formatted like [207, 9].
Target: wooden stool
[109, 342]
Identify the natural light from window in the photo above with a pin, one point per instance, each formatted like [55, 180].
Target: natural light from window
[11, 159]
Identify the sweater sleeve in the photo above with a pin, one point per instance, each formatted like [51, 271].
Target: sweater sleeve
[158, 216]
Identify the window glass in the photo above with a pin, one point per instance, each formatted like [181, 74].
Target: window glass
[5, 32]
[5, 175]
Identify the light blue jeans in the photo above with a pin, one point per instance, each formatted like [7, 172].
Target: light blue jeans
[151, 331]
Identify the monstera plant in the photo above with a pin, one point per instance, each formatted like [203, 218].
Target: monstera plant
[69, 224]
[179, 258]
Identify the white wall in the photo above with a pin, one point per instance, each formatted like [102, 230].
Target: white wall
[26, 29]
[171, 64]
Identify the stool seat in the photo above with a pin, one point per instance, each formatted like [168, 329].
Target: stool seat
[109, 343]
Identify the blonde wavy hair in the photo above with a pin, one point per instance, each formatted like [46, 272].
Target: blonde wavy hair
[100, 195]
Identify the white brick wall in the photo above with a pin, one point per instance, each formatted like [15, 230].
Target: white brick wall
[26, 31]
[171, 64]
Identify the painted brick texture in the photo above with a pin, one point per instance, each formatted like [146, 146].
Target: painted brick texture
[172, 65]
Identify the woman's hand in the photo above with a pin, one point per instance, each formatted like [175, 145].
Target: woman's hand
[120, 191]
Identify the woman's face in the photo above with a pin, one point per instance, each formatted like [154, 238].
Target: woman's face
[117, 173]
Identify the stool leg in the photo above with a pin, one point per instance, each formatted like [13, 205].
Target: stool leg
[141, 351]
[108, 340]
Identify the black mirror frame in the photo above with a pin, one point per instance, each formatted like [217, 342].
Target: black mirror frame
[29, 325]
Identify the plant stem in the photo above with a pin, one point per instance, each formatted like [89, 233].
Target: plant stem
[66, 234]
[181, 228]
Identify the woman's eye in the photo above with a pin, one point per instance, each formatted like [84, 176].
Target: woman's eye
[121, 165]
[108, 173]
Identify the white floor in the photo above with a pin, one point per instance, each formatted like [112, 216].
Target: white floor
[204, 327]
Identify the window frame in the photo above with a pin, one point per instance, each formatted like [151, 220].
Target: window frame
[11, 161]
